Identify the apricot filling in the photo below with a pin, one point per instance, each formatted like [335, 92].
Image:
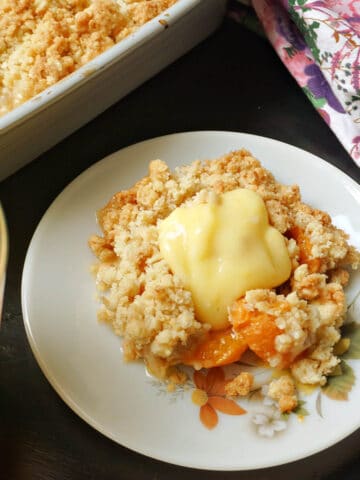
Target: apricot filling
[252, 330]
[305, 247]
[220, 347]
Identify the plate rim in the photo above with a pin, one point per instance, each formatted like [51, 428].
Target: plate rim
[66, 398]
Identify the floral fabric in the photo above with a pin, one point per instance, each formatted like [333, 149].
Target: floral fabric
[319, 43]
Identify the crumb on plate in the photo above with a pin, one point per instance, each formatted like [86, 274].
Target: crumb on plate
[240, 386]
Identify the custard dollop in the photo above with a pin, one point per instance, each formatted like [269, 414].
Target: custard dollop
[223, 248]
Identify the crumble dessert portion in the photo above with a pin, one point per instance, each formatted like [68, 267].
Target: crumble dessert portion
[294, 325]
[43, 41]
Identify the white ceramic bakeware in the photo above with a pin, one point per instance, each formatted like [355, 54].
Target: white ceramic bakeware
[44, 120]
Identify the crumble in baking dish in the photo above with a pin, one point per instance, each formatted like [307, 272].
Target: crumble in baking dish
[43, 41]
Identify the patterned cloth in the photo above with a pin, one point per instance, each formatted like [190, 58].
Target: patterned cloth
[319, 43]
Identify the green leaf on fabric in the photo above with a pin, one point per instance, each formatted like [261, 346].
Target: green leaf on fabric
[299, 3]
[339, 387]
[291, 51]
[310, 35]
[352, 331]
[308, 30]
[317, 102]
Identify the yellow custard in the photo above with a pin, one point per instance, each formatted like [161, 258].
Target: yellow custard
[222, 249]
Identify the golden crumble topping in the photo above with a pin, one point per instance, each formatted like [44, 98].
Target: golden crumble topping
[240, 385]
[151, 309]
[43, 41]
[283, 390]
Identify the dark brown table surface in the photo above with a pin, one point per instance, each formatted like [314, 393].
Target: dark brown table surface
[232, 81]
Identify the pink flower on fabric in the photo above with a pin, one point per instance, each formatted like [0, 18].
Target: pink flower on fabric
[354, 23]
[325, 116]
[288, 30]
[346, 8]
[354, 6]
[265, 12]
[355, 150]
[297, 65]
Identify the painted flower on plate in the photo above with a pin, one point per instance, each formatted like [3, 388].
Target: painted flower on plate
[209, 395]
[268, 422]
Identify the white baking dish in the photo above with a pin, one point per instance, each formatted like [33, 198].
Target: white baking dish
[41, 122]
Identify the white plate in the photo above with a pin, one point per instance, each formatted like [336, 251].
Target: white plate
[82, 359]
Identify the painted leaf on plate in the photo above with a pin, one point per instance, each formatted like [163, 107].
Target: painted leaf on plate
[208, 416]
[319, 405]
[300, 409]
[338, 387]
[353, 311]
[352, 331]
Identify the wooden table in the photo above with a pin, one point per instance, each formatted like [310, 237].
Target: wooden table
[232, 81]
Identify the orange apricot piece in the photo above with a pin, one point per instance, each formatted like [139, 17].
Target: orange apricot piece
[305, 247]
[221, 347]
[257, 328]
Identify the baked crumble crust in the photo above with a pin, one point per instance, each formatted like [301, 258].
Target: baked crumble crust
[43, 41]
